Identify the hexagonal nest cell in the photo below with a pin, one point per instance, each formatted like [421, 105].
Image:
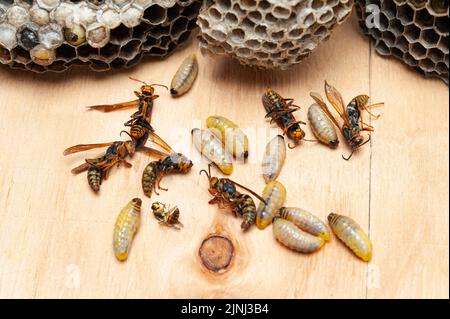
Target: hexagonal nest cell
[53, 35]
[268, 33]
[417, 32]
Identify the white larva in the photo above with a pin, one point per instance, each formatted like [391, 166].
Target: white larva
[185, 76]
[126, 226]
[305, 221]
[294, 238]
[322, 127]
[273, 159]
[211, 147]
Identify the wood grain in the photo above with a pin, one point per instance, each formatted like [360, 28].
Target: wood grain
[56, 235]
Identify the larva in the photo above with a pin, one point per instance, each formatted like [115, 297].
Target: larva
[294, 238]
[352, 235]
[274, 195]
[233, 138]
[305, 221]
[273, 158]
[321, 126]
[185, 76]
[126, 226]
[208, 145]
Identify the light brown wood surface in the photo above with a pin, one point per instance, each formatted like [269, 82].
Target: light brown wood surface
[56, 235]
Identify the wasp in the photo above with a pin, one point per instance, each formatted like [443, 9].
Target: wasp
[353, 123]
[99, 167]
[116, 153]
[167, 216]
[140, 120]
[170, 162]
[226, 196]
[280, 110]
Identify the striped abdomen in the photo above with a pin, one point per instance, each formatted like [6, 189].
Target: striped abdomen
[294, 238]
[94, 176]
[272, 99]
[125, 228]
[305, 221]
[322, 126]
[185, 76]
[137, 131]
[246, 207]
[151, 172]
[274, 195]
[352, 235]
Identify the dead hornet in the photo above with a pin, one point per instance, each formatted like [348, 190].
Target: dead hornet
[280, 110]
[226, 196]
[140, 120]
[98, 168]
[170, 162]
[167, 216]
[351, 115]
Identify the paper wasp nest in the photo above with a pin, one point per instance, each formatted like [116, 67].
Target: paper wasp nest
[43, 35]
[415, 31]
[268, 33]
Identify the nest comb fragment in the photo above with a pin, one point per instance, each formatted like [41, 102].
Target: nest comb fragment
[414, 31]
[268, 33]
[53, 35]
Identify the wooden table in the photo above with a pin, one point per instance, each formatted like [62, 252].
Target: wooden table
[55, 234]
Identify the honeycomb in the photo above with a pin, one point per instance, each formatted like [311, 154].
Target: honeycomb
[268, 33]
[415, 31]
[53, 35]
